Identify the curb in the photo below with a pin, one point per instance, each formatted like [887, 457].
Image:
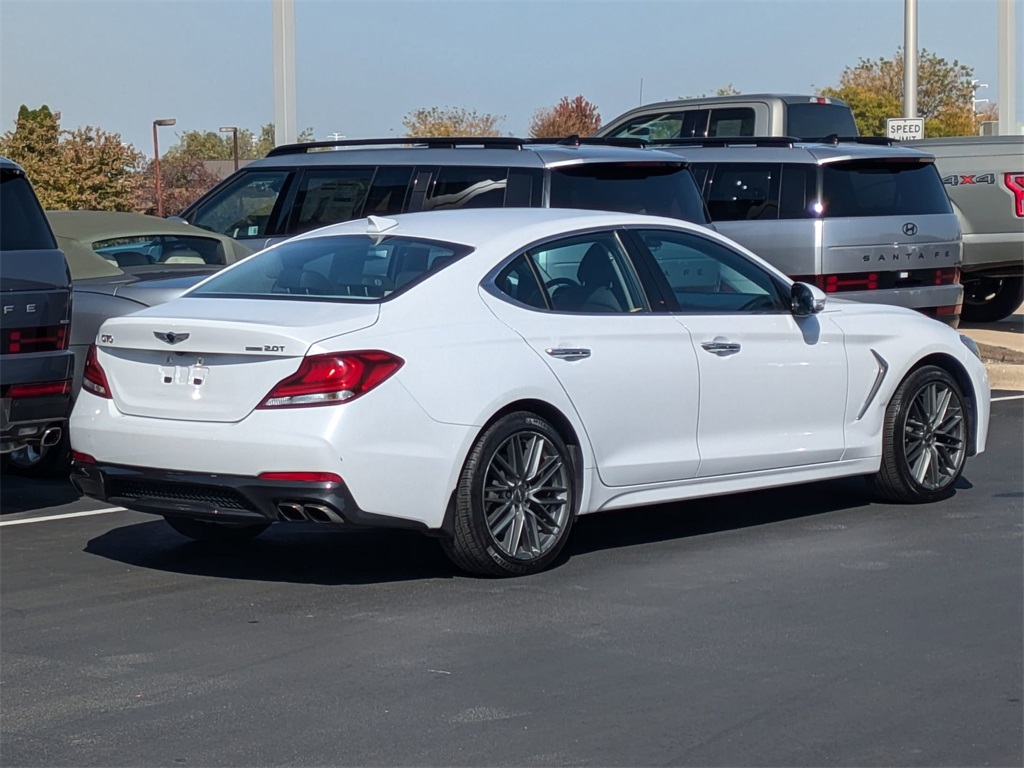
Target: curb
[990, 353]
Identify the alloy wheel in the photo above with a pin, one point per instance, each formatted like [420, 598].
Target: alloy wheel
[934, 436]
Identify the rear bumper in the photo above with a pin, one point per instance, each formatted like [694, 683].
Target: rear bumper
[927, 300]
[24, 420]
[225, 498]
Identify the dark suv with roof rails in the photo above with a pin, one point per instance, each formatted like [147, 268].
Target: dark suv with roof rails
[299, 187]
[35, 317]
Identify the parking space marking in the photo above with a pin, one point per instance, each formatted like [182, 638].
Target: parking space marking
[1007, 397]
[64, 516]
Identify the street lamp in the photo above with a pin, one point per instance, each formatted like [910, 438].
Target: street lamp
[156, 155]
[233, 130]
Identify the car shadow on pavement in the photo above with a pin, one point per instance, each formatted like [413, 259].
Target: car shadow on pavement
[311, 554]
[23, 494]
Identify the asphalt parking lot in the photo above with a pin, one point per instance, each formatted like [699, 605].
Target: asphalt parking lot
[803, 626]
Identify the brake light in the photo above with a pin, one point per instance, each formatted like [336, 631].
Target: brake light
[947, 276]
[1015, 183]
[50, 338]
[44, 389]
[820, 100]
[94, 379]
[332, 378]
[301, 477]
[857, 281]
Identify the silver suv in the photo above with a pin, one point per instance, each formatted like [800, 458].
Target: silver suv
[300, 187]
[859, 218]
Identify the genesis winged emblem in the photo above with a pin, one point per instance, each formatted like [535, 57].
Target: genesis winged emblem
[171, 337]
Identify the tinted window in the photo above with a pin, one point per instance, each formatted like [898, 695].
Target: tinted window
[329, 196]
[588, 274]
[667, 125]
[743, 191]
[461, 187]
[23, 226]
[705, 276]
[798, 198]
[879, 188]
[345, 268]
[811, 120]
[518, 282]
[658, 189]
[243, 207]
[144, 250]
[387, 194]
[731, 121]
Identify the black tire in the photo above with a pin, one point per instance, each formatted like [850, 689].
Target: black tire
[987, 300]
[215, 533]
[512, 498]
[916, 442]
[54, 461]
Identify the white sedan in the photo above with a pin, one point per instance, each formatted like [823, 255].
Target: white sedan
[485, 376]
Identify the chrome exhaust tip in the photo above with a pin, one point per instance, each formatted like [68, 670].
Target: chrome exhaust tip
[51, 437]
[320, 513]
[291, 511]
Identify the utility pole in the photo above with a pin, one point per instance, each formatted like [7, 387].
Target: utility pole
[910, 58]
[283, 13]
[1007, 68]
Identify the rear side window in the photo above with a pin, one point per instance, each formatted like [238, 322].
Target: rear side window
[744, 191]
[23, 226]
[657, 189]
[811, 120]
[518, 282]
[340, 268]
[731, 121]
[667, 125]
[881, 188]
[243, 207]
[145, 250]
[463, 187]
[329, 196]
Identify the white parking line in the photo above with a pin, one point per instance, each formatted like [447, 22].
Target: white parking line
[64, 516]
[1007, 397]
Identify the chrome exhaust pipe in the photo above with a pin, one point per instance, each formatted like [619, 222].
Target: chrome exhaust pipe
[51, 437]
[320, 513]
[291, 511]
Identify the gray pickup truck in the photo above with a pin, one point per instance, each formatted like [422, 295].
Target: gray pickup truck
[984, 178]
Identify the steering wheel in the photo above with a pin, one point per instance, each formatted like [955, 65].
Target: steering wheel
[557, 281]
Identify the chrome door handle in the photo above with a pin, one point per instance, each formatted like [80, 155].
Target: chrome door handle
[569, 353]
[721, 348]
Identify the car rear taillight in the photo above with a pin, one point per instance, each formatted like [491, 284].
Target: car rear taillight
[82, 458]
[301, 477]
[50, 338]
[94, 379]
[44, 389]
[855, 281]
[332, 378]
[947, 275]
[1015, 183]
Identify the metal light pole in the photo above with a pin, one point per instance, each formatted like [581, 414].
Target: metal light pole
[1007, 49]
[910, 58]
[156, 160]
[283, 23]
[233, 130]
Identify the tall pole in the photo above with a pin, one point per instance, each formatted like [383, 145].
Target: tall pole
[233, 130]
[283, 12]
[910, 58]
[156, 164]
[1007, 68]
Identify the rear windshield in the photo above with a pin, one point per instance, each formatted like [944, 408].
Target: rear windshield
[657, 189]
[145, 250]
[23, 226]
[341, 268]
[877, 188]
[816, 121]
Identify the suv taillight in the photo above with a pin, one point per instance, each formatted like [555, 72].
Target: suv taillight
[1015, 183]
[50, 338]
[332, 378]
[94, 379]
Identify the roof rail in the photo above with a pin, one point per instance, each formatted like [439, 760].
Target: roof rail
[881, 141]
[432, 142]
[725, 141]
[575, 140]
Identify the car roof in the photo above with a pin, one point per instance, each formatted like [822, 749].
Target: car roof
[788, 98]
[10, 165]
[544, 155]
[818, 153]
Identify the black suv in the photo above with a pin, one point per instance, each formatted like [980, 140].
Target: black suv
[35, 318]
[299, 187]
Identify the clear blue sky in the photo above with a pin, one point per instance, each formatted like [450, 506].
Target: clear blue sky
[362, 66]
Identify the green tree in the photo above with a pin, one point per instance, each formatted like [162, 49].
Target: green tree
[874, 90]
[569, 117]
[451, 121]
[183, 180]
[86, 168]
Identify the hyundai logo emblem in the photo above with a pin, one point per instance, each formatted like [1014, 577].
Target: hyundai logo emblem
[910, 229]
[171, 337]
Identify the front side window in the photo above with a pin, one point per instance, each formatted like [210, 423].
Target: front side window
[464, 187]
[707, 277]
[657, 189]
[587, 274]
[667, 125]
[743, 191]
[329, 196]
[342, 268]
[882, 188]
[242, 208]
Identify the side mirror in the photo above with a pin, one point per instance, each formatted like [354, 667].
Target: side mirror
[806, 300]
